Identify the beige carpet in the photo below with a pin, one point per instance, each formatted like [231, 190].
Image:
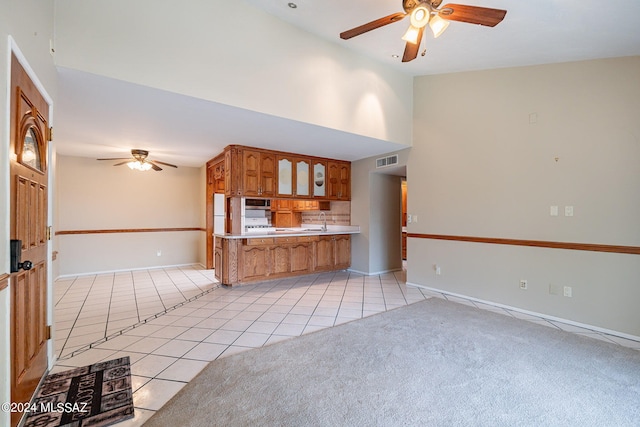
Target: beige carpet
[433, 363]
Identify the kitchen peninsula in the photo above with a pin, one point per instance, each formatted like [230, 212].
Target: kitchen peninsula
[276, 215]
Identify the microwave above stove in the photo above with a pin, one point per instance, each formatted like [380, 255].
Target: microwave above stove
[264, 204]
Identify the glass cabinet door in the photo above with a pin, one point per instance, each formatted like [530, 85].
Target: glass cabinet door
[319, 179]
[285, 177]
[302, 178]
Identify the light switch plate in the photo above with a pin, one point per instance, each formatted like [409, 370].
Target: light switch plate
[553, 211]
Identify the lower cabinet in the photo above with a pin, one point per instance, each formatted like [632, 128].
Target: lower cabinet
[342, 252]
[255, 262]
[333, 252]
[253, 259]
[217, 258]
[270, 258]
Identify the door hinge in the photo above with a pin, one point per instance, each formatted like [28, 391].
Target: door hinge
[48, 332]
[49, 232]
[50, 134]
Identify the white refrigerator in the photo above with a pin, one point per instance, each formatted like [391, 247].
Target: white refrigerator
[218, 213]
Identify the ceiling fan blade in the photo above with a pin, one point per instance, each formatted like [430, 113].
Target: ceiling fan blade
[154, 166]
[117, 158]
[122, 163]
[372, 25]
[162, 163]
[472, 14]
[411, 49]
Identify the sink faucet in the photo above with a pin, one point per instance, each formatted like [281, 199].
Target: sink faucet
[323, 216]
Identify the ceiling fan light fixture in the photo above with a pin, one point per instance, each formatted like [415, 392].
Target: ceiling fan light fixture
[438, 25]
[411, 36]
[138, 165]
[420, 16]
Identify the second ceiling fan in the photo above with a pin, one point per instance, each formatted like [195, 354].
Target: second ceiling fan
[139, 161]
[423, 12]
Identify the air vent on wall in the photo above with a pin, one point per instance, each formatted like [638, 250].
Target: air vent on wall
[387, 161]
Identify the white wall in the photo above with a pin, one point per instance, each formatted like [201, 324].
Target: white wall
[30, 24]
[96, 195]
[502, 146]
[232, 53]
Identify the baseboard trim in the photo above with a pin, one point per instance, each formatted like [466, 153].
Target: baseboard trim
[376, 273]
[94, 273]
[533, 313]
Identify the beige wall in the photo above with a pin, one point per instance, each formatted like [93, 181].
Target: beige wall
[500, 147]
[94, 195]
[376, 206]
[273, 68]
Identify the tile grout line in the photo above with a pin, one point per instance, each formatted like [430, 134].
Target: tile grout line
[131, 327]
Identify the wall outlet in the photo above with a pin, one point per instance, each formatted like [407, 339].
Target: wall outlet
[437, 269]
[159, 252]
[523, 284]
[568, 211]
[568, 292]
[554, 289]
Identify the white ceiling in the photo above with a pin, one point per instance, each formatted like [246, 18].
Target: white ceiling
[532, 32]
[179, 129]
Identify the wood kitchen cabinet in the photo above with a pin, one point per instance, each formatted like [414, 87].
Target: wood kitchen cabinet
[333, 252]
[217, 259]
[311, 205]
[339, 180]
[242, 171]
[325, 253]
[255, 262]
[319, 179]
[342, 251]
[294, 176]
[283, 215]
[288, 213]
[232, 172]
[269, 258]
[259, 173]
[248, 260]
[256, 172]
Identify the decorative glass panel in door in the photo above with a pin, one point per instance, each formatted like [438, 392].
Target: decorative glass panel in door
[302, 178]
[319, 179]
[30, 154]
[285, 177]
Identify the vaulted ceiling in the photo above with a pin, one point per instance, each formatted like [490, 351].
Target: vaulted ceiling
[540, 32]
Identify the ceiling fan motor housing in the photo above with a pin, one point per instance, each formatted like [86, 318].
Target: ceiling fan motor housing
[409, 5]
[139, 155]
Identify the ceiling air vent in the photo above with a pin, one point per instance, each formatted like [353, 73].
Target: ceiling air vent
[387, 161]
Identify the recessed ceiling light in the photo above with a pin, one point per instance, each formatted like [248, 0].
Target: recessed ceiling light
[293, 5]
[395, 56]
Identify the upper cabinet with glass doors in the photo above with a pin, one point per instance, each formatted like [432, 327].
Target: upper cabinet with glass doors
[255, 172]
[294, 179]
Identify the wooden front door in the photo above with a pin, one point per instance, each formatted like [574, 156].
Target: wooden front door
[28, 153]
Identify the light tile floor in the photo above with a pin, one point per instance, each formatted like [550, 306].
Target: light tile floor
[172, 322]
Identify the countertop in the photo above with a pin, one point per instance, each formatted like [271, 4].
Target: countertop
[305, 230]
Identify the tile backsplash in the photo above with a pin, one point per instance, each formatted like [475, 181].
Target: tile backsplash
[340, 214]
